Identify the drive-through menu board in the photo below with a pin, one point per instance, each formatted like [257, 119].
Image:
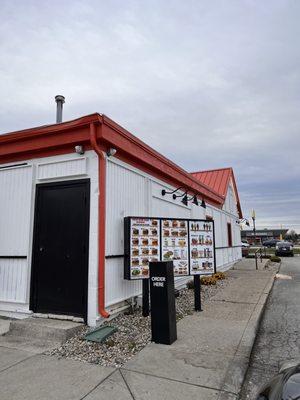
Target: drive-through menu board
[189, 243]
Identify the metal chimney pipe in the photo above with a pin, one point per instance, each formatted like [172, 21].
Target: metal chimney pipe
[59, 109]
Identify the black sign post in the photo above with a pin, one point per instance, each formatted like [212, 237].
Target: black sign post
[197, 293]
[145, 297]
[162, 295]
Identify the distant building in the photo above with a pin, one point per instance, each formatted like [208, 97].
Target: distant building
[261, 235]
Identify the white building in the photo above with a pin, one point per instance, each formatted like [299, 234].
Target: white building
[62, 213]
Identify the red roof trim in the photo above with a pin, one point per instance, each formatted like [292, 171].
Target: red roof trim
[211, 170]
[61, 138]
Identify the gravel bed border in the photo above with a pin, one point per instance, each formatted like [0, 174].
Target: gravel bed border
[133, 334]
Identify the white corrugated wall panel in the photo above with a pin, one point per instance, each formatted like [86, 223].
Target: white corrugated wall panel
[218, 228]
[224, 236]
[162, 208]
[13, 279]
[117, 288]
[165, 206]
[127, 194]
[62, 168]
[15, 208]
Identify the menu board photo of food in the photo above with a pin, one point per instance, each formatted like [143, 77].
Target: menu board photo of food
[144, 246]
[201, 238]
[174, 241]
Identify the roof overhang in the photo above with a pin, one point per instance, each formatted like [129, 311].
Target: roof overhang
[61, 138]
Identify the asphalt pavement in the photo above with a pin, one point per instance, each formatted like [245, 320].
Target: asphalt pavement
[278, 337]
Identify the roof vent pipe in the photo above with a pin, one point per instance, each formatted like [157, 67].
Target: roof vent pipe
[59, 101]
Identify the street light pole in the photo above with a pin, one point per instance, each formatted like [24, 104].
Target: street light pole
[253, 216]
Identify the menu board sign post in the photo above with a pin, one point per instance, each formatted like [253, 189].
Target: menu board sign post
[189, 243]
[197, 293]
[145, 298]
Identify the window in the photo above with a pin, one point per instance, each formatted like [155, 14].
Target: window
[229, 234]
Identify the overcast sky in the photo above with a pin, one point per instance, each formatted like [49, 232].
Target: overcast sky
[209, 84]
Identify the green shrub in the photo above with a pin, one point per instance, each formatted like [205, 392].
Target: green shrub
[219, 275]
[190, 284]
[208, 280]
[275, 259]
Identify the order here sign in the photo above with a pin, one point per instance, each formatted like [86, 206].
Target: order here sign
[189, 243]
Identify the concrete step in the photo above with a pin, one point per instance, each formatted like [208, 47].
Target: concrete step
[30, 345]
[43, 329]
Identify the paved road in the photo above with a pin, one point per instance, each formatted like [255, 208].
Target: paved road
[278, 339]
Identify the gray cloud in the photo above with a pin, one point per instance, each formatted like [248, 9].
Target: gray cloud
[207, 83]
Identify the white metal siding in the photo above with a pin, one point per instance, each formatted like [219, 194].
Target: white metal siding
[15, 207]
[13, 280]
[62, 168]
[127, 194]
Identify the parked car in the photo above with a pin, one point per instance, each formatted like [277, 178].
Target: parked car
[284, 249]
[284, 386]
[245, 244]
[245, 248]
[270, 243]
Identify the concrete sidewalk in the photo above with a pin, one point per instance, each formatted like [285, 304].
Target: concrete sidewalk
[208, 361]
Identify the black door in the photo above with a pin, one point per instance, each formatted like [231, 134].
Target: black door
[60, 248]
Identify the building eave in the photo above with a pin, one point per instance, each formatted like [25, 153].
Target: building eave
[61, 138]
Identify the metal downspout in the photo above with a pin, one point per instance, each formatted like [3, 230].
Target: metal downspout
[101, 220]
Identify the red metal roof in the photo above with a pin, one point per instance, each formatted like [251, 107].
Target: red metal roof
[218, 180]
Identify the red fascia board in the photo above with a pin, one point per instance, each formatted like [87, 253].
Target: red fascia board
[44, 141]
[61, 138]
[48, 129]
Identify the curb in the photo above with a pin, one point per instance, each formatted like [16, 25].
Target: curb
[236, 374]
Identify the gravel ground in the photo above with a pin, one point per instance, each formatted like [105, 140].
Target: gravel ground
[133, 334]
